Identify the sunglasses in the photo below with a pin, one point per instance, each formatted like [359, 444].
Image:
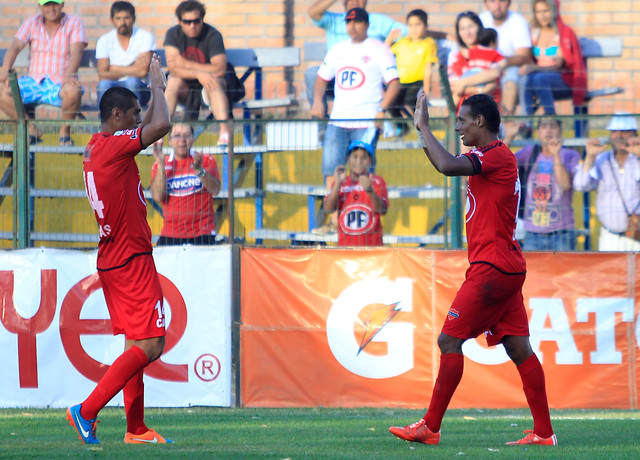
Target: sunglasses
[188, 22]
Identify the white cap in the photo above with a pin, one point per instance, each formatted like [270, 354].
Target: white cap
[622, 121]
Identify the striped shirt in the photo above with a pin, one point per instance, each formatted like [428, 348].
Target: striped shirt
[49, 55]
[603, 176]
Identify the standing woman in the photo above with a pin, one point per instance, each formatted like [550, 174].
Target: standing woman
[558, 71]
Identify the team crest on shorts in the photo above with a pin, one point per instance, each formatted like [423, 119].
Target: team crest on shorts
[453, 314]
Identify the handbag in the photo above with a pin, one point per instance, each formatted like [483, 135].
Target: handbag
[235, 88]
[633, 220]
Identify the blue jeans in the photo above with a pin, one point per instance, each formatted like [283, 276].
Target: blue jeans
[561, 240]
[138, 86]
[547, 87]
[336, 141]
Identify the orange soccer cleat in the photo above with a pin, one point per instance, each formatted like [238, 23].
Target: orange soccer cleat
[532, 438]
[150, 437]
[416, 432]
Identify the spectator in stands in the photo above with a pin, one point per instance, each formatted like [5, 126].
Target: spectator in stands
[360, 67]
[196, 59]
[124, 54]
[56, 41]
[558, 71]
[473, 68]
[185, 183]
[359, 197]
[615, 174]
[514, 43]
[336, 32]
[546, 177]
[415, 55]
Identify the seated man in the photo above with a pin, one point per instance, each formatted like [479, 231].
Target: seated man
[196, 59]
[124, 54]
[185, 183]
[56, 42]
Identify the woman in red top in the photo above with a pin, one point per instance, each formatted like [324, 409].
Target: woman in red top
[558, 71]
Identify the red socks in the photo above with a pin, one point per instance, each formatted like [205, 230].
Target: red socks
[133, 393]
[449, 375]
[533, 384]
[120, 372]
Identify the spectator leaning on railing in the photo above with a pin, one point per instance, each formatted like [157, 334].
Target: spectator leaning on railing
[56, 41]
[615, 174]
[124, 54]
[546, 177]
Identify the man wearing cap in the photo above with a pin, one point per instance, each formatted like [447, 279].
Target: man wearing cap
[334, 25]
[360, 66]
[56, 42]
[615, 174]
[359, 197]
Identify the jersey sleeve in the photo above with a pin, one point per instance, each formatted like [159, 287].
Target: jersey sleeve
[215, 43]
[327, 70]
[475, 160]
[380, 187]
[127, 142]
[102, 48]
[211, 166]
[171, 38]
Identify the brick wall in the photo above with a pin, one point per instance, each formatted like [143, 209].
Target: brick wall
[246, 23]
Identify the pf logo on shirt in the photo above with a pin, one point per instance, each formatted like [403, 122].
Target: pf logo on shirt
[350, 78]
[357, 219]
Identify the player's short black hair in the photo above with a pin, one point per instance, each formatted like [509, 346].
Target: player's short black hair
[122, 6]
[483, 104]
[488, 36]
[116, 98]
[420, 14]
[188, 6]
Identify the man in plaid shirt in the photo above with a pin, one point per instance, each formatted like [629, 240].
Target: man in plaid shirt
[56, 42]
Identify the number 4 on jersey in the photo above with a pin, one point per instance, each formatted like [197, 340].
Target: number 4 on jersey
[92, 193]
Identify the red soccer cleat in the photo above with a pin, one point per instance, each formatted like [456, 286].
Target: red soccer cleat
[416, 432]
[532, 438]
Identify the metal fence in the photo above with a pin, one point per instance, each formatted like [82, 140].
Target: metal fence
[276, 191]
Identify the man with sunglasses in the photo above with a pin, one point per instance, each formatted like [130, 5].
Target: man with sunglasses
[196, 59]
[184, 183]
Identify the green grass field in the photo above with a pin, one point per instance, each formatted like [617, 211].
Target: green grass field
[202, 432]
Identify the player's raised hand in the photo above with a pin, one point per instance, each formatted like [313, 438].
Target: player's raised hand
[421, 114]
[594, 147]
[157, 78]
[366, 182]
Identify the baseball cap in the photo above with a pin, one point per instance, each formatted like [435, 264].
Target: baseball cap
[622, 121]
[44, 2]
[357, 14]
[360, 145]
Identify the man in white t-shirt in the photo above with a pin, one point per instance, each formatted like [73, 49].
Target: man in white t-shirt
[361, 66]
[124, 54]
[514, 43]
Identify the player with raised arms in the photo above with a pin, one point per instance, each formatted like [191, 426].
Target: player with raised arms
[125, 263]
[490, 299]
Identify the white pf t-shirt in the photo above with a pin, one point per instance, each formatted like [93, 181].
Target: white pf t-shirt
[108, 47]
[360, 70]
[514, 33]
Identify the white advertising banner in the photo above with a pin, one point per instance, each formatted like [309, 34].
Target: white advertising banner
[56, 338]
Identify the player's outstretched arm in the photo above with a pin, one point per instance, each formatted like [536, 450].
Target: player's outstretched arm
[157, 122]
[443, 161]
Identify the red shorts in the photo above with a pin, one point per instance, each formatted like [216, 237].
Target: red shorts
[488, 301]
[134, 298]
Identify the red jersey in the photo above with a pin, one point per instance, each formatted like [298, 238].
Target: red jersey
[188, 207]
[493, 195]
[358, 222]
[112, 181]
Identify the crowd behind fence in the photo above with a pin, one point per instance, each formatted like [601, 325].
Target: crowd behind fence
[271, 186]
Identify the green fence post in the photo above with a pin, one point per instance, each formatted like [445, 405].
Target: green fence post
[454, 148]
[22, 170]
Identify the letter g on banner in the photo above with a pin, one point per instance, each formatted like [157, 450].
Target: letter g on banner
[363, 314]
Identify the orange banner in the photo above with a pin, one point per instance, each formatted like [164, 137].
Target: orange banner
[349, 328]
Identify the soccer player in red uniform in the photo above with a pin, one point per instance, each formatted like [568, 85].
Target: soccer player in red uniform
[359, 197]
[125, 263]
[490, 299]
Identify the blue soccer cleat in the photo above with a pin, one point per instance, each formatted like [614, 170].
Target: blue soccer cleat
[86, 428]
